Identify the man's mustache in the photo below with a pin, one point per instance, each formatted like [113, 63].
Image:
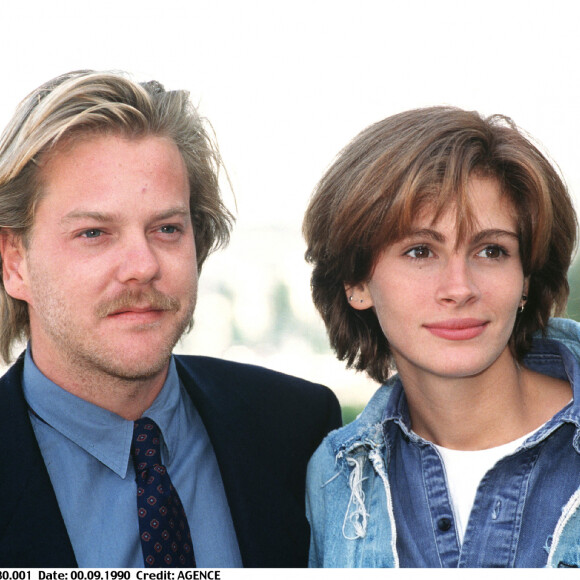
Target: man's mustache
[150, 298]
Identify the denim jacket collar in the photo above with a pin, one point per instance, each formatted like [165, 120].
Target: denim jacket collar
[367, 430]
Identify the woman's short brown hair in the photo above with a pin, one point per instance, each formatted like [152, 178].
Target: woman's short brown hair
[370, 195]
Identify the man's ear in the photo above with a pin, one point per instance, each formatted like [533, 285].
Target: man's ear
[14, 265]
[359, 296]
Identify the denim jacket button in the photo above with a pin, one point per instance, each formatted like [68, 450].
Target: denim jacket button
[444, 524]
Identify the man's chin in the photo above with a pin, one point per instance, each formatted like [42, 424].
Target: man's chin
[132, 364]
[134, 372]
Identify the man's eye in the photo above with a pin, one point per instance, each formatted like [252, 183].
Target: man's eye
[419, 252]
[169, 229]
[92, 233]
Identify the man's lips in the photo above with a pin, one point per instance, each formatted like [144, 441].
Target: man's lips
[457, 328]
[136, 310]
[139, 315]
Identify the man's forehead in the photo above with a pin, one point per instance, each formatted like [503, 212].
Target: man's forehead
[97, 177]
[92, 141]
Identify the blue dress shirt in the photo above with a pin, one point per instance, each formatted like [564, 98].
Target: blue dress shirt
[87, 453]
[518, 501]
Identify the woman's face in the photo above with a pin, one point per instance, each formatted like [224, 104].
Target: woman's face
[448, 309]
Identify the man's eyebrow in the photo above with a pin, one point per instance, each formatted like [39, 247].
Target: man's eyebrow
[102, 217]
[172, 212]
[97, 216]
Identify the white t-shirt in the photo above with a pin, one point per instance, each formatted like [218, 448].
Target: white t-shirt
[465, 470]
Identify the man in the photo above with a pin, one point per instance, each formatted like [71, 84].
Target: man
[117, 453]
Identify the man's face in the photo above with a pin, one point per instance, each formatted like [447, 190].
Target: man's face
[110, 273]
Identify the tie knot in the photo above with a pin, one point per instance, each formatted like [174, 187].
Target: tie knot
[146, 446]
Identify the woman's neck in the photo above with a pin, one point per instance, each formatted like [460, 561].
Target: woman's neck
[497, 406]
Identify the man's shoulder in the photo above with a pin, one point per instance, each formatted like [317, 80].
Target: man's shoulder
[14, 370]
[226, 372]
[236, 386]
[270, 401]
[11, 387]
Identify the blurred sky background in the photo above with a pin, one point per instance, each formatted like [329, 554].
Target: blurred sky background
[286, 85]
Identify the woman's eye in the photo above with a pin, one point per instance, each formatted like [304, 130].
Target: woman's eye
[492, 252]
[419, 252]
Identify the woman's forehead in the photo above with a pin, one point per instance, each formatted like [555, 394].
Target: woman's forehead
[483, 205]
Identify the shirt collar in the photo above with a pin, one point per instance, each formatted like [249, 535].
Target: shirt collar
[100, 432]
[551, 357]
[548, 356]
[397, 410]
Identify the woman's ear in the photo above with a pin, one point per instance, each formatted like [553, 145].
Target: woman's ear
[14, 265]
[359, 296]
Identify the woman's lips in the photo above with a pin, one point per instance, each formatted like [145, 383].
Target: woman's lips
[457, 328]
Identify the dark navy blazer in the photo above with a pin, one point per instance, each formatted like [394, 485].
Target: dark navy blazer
[263, 425]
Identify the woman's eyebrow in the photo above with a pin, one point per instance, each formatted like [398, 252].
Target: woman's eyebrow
[425, 233]
[493, 233]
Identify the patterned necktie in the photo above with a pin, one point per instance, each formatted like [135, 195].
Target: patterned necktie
[163, 527]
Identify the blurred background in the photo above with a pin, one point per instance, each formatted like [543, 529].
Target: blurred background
[286, 85]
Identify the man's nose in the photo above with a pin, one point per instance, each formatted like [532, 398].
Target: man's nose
[138, 261]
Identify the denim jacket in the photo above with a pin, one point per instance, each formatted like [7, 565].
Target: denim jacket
[349, 499]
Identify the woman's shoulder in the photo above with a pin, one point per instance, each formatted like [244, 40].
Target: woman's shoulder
[563, 330]
[365, 430]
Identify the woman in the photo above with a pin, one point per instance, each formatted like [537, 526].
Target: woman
[440, 242]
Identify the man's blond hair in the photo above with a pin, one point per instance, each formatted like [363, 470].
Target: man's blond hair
[82, 103]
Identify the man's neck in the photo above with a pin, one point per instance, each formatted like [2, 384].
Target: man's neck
[127, 397]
